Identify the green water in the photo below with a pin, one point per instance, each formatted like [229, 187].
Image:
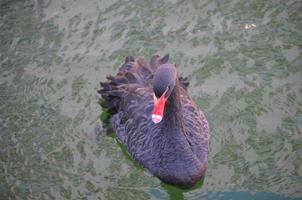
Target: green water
[244, 62]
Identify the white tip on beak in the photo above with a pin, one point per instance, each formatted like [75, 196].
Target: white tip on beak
[156, 118]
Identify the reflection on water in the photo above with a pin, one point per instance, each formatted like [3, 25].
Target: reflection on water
[244, 62]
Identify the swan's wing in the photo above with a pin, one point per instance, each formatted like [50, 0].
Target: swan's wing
[139, 67]
[137, 107]
[184, 82]
[132, 72]
[134, 127]
[197, 128]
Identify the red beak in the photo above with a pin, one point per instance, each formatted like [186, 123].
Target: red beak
[158, 109]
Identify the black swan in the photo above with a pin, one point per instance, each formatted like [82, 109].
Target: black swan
[156, 120]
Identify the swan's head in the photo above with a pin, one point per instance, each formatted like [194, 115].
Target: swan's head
[163, 84]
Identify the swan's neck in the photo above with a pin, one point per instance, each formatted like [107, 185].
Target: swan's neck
[173, 116]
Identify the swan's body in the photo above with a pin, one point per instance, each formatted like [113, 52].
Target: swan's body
[175, 149]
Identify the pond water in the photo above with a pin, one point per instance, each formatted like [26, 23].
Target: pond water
[244, 62]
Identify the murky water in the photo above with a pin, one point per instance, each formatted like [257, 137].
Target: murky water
[245, 65]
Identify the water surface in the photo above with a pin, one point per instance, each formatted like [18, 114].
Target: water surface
[243, 59]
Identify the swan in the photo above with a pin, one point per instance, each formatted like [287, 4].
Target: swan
[156, 120]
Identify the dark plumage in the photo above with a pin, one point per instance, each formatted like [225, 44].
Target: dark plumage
[175, 149]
